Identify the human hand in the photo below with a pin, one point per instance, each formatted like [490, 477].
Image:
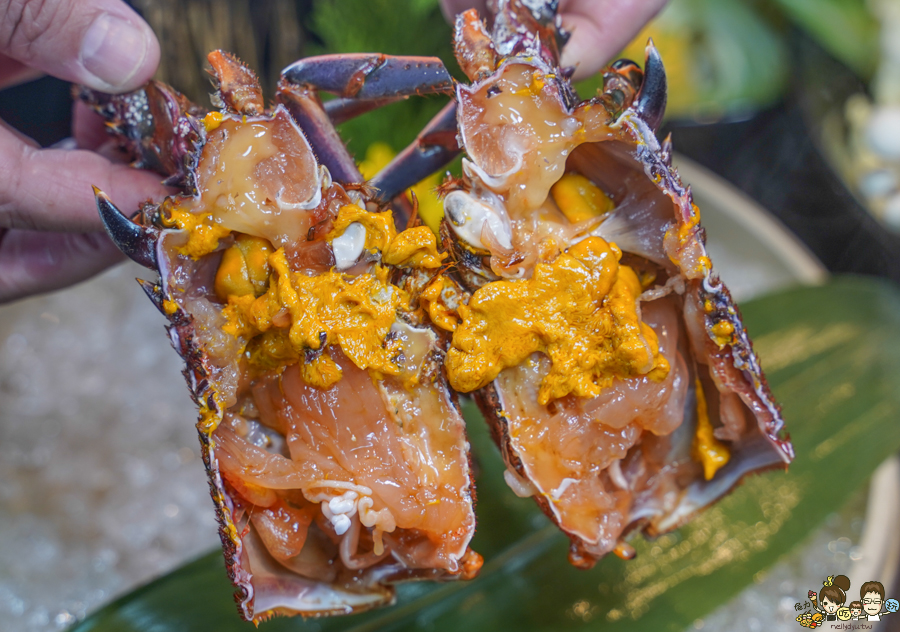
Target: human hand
[600, 28]
[50, 232]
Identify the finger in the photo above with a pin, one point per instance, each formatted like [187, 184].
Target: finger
[50, 189]
[13, 72]
[102, 44]
[601, 29]
[34, 262]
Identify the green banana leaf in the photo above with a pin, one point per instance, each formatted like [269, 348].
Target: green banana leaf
[833, 360]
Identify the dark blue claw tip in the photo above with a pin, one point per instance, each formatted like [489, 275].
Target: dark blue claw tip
[136, 241]
[651, 99]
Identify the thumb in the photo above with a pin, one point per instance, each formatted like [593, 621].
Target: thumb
[102, 44]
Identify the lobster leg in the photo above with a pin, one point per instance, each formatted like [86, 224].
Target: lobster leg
[340, 110]
[306, 109]
[365, 82]
[371, 76]
[435, 146]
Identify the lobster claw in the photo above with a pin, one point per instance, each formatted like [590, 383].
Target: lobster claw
[136, 241]
[651, 98]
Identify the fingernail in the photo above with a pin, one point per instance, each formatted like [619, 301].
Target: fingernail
[113, 50]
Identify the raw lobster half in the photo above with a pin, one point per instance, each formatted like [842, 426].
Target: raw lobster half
[599, 342]
[336, 453]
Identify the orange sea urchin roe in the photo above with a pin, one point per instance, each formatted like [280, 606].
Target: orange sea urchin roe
[414, 247]
[580, 310]
[354, 312]
[706, 449]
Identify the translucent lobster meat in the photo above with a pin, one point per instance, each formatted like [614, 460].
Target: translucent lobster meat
[258, 178]
[343, 434]
[518, 134]
[566, 450]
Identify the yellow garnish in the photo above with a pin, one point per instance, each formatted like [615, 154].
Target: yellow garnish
[580, 199]
[431, 209]
[323, 372]
[329, 308]
[438, 312]
[414, 247]
[244, 268]
[212, 120]
[170, 307]
[722, 331]
[580, 310]
[203, 233]
[711, 452]
[380, 231]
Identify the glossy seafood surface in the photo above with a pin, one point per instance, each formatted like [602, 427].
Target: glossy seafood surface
[569, 291]
[595, 334]
[336, 453]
